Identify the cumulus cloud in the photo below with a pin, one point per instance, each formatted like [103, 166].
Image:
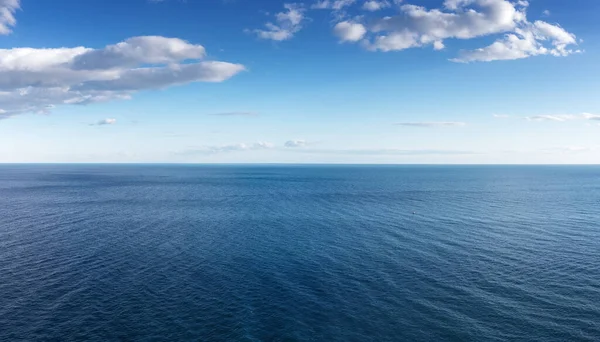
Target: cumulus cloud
[287, 24]
[136, 51]
[104, 122]
[525, 42]
[208, 150]
[431, 124]
[564, 117]
[464, 19]
[417, 26]
[36, 80]
[374, 5]
[7, 15]
[348, 31]
[295, 143]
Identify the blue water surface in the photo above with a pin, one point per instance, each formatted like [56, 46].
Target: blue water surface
[299, 253]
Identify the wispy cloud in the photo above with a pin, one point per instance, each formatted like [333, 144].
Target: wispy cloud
[295, 143]
[589, 116]
[564, 117]
[332, 4]
[501, 116]
[301, 146]
[7, 15]
[235, 114]
[527, 41]
[104, 122]
[287, 24]
[431, 124]
[381, 152]
[569, 149]
[373, 5]
[546, 13]
[559, 118]
[208, 150]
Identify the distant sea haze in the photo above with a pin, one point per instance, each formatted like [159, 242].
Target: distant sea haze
[299, 253]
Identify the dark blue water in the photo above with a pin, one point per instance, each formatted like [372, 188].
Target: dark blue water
[298, 253]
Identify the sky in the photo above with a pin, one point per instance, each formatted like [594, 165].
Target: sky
[316, 81]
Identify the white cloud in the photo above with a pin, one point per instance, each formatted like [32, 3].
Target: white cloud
[557, 35]
[287, 24]
[348, 31]
[300, 146]
[35, 80]
[512, 46]
[589, 116]
[295, 143]
[501, 116]
[108, 121]
[229, 148]
[333, 4]
[136, 51]
[431, 124]
[417, 26]
[564, 117]
[373, 5]
[569, 149]
[559, 118]
[438, 45]
[525, 42]
[381, 152]
[463, 19]
[7, 15]
[546, 13]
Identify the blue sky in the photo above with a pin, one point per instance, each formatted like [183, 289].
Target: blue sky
[338, 81]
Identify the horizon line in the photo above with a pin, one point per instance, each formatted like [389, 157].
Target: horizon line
[300, 164]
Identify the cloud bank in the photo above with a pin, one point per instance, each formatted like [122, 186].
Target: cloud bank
[36, 80]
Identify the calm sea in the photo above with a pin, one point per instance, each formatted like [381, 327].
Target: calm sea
[299, 253]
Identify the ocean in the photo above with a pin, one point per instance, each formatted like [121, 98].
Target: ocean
[299, 253]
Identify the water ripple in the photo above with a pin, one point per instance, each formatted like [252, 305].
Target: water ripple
[322, 253]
